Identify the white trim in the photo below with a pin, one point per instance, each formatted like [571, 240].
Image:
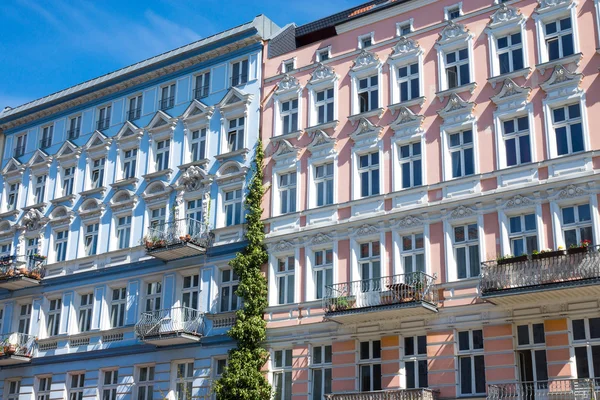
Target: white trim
[399, 25]
[525, 108]
[322, 50]
[369, 35]
[550, 13]
[447, 10]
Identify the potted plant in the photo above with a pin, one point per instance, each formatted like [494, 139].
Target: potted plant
[38, 257]
[340, 304]
[582, 248]
[548, 253]
[509, 259]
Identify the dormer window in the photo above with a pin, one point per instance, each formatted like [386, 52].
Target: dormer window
[47, 133]
[74, 127]
[323, 54]
[559, 38]
[235, 134]
[129, 163]
[202, 85]
[365, 41]
[135, 108]
[39, 188]
[198, 144]
[239, 72]
[97, 174]
[103, 118]
[167, 99]
[161, 160]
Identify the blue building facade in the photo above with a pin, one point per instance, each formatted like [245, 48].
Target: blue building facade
[121, 207]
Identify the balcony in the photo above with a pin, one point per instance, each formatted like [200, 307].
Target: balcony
[16, 348]
[238, 80]
[134, 114]
[167, 102]
[45, 143]
[401, 394]
[103, 124]
[19, 272]
[19, 151]
[563, 389]
[177, 239]
[73, 133]
[548, 276]
[382, 298]
[201, 92]
[178, 325]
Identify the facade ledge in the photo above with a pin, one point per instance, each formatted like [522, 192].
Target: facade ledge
[328, 125]
[232, 154]
[158, 174]
[9, 214]
[378, 112]
[125, 182]
[413, 102]
[86, 193]
[288, 136]
[107, 259]
[523, 72]
[222, 319]
[38, 206]
[64, 199]
[200, 163]
[572, 59]
[469, 87]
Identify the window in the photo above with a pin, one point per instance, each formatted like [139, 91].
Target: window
[453, 12]
[321, 376]
[239, 73]
[220, 366]
[103, 118]
[288, 66]
[60, 245]
[233, 207]
[202, 86]
[157, 217]
[457, 68]
[74, 127]
[559, 38]
[77, 385]
[577, 224]
[370, 366]
[235, 134]
[466, 250]
[53, 324]
[85, 312]
[21, 142]
[14, 387]
[324, 184]
[12, 196]
[190, 291]
[510, 53]
[410, 164]
[198, 144]
[229, 286]
[531, 354]
[44, 387]
[47, 133]
[285, 276]
[123, 231]
[408, 80]
[184, 381]
[365, 41]
[135, 108]
[98, 173]
[471, 364]
[282, 374]
[194, 209]
[586, 339]
[110, 384]
[368, 93]
[167, 98]
[368, 171]
[39, 189]
[323, 272]
[516, 141]
[413, 253]
[322, 55]
[287, 193]
[129, 162]
[370, 266]
[415, 361]
[91, 239]
[289, 116]
[68, 179]
[403, 28]
[117, 307]
[32, 246]
[568, 129]
[24, 318]
[324, 106]
[153, 296]
[145, 383]
[162, 155]
[461, 153]
[523, 234]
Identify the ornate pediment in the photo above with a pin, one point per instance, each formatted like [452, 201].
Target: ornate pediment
[322, 73]
[123, 200]
[286, 152]
[194, 178]
[129, 134]
[234, 96]
[40, 160]
[231, 172]
[197, 110]
[320, 239]
[549, 5]
[366, 230]
[453, 32]
[321, 144]
[409, 222]
[461, 212]
[405, 47]
[156, 192]
[13, 169]
[518, 201]
[407, 121]
[61, 216]
[562, 83]
[511, 92]
[91, 208]
[365, 60]
[98, 143]
[288, 84]
[505, 15]
[365, 130]
[33, 220]
[457, 108]
[571, 191]
[161, 121]
[282, 246]
[68, 152]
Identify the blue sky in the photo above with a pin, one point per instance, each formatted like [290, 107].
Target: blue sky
[48, 45]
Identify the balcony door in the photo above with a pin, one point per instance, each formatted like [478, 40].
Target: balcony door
[370, 274]
[533, 373]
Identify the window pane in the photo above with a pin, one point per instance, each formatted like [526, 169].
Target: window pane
[463, 341]
[562, 145]
[461, 262]
[465, 375]
[478, 339]
[541, 366]
[577, 138]
[523, 334]
[581, 361]
[538, 333]
[410, 374]
[567, 45]
[511, 152]
[568, 214]
[377, 377]
[579, 329]
[480, 374]
[525, 151]
[595, 328]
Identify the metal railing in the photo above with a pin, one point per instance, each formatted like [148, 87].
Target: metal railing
[103, 123]
[17, 344]
[19, 151]
[22, 266]
[134, 114]
[387, 290]
[239, 79]
[73, 133]
[201, 92]
[170, 321]
[167, 103]
[180, 231]
[541, 269]
[401, 394]
[560, 389]
[45, 142]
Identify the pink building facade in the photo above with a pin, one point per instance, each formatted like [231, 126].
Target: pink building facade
[408, 143]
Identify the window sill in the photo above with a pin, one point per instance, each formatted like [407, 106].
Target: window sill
[91, 192]
[163, 172]
[124, 182]
[64, 199]
[469, 87]
[200, 163]
[524, 72]
[327, 125]
[572, 59]
[378, 112]
[287, 136]
[232, 154]
[412, 102]
[9, 214]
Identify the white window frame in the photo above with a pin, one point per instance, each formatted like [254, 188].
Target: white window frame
[12, 192]
[46, 136]
[205, 88]
[289, 264]
[372, 67]
[363, 38]
[118, 305]
[230, 284]
[53, 317]
[91, 231]
[399, 185]
[289, 115]
[166, 103]
[84, 312]
[413, 252]
[323, 78]
[466, 244]
[550, 13]
[39, 188]
[104, 123]
[453, 126]
[237, 205]
[415, 358]
[322, 152]
[403, 24]
[524, 109]
[190, 291]
[369, 362]
[74, 127]
[110, 384]
[13, 388]
[61, 241]
[129, 159]
[504, 216]
[76, 385]
[567, 124]
[24, 318]
[322, 267]
[311, 267]
[368, 170]
[470, 353]
[319, 54]
[447, 44]
[44, 387]
[157, 216]
[449, 9]
[239, 79]
[184, 383]
[123, 228]
[578, 224]
[163, 154]
[67, 179]
[523, 234]
[289, 91]
[18, 151]
[220, 364]
[323, 180]
[97, 166]
[285, 65]
[153, 295]
[449, 224]
[146, 383]
[238, 128]
[134, 113]
[278, 189]
[324, 366]
[196, 144]
[586, 343]
[284, 370]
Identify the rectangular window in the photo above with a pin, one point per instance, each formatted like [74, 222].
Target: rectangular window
[85, 312]
[135, 108]
[153, 296]
[184, 381]
[370, 366]
[220, 366]
[510, 53]
[14, 387]
[323, 272]
[44, 387]
[60, 245]
[365, 42]
[324, 105]
[408, 80]
[321, 375]
[103, 118]
[234, 212]
[5, 250]
[523, 234]
[287, 193]
[12, 196]
[282, 374]
[586, 338]
[453, 13]
[288, 66]
[577, 225]
[157, 217]
[190, 292]
[21, 142]
[471, 364]
[91, 239]
[39, 189]
[531, 354]
[47, 133]
[24, 318]
[202, 86]
[289, 116]
[194, 210]
[322, 55]
[369, 262]
[415, 361]
[74, 127]
[98, 173]
[461, 154]
[403, 29]
[145, 383]
[457, 68]
[68, 179]
[124, 231]
[162, 155]
[516, 141]
[568, 129]
[410, 165]
[324, 184]
[239, 73]
[198, 144]
[559, 38]
[110, 385]
[229, 286]
[368, 171]
[76, 387]
[54, 317]
[117, 307]
[368, 94]
[235, 134]
[167, 98]
[413, 253]
[32, 247]
[129, 163]
[285, 276]
[466, 251]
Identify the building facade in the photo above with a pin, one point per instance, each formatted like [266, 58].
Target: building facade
[122, 205]
[432, 201]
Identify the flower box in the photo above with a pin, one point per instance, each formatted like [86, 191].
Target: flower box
[577, 250]
[548, 254]
[511, 260]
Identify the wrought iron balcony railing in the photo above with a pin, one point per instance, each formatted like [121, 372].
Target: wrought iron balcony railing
[239, 80]
[103, 124]
[400, 394]
[134, 114]
[177, 232]
[19, 151]
[574, 266]
[561, 389]
[167, 103]
[32, 267]
[388, 290]
[170, 321]
[45, 142]
[17, 344]
[73, 133]
[201, 92]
